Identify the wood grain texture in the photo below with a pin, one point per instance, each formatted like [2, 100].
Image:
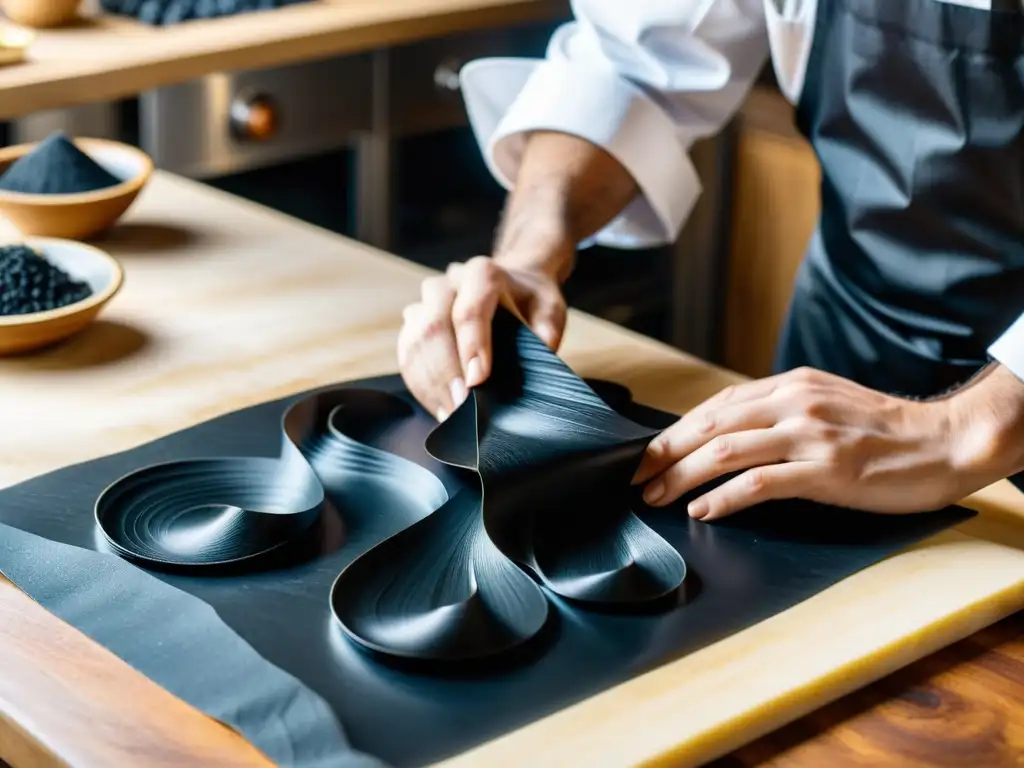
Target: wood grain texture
[775, 208]
[227, 304]
[52, 677]
[958, 708]
[108, 57]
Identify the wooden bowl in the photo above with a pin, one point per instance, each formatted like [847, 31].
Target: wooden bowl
[41, 13]
[82, 215]
[23, 333]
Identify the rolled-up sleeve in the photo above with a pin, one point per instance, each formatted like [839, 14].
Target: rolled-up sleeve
[643, 79]
[1008, 349]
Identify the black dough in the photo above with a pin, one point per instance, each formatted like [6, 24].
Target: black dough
[56, 167]
[434, 595]
[550, 496]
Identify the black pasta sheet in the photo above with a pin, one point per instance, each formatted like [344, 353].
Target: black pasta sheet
[545, 500]
[263, 580]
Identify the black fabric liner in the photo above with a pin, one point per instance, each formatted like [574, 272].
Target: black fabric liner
[179, 642]
[739, 571]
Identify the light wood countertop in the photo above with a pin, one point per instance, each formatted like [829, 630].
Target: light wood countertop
[228, 304]
[113, 57]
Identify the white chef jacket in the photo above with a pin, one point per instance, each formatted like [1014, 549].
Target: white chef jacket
[644, 79]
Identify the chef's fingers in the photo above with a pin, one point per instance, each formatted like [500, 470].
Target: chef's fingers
[773, 394]
[777, 386]
[723, 455]
[440, 347]
[427, 360]
[427, 356]
[480, 282]
[790, 480]
[544, 311]
[694, 431]
[410, 360]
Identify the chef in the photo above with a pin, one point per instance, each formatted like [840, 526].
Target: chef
[899, 382]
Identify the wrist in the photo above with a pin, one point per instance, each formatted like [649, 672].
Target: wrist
[566, 190]
[986, 417]
[552, 257]
[536, 237]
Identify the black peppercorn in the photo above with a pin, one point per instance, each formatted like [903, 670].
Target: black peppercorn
[29, 283]
[167, 12]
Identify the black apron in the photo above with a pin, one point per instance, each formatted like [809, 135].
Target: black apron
[915, 110]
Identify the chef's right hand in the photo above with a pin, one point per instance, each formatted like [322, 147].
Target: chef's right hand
[444, 347]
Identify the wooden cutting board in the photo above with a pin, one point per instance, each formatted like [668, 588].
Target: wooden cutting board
[227, 304]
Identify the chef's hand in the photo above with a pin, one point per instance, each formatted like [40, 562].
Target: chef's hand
[566, 190]
[444, 346]
[812, 435]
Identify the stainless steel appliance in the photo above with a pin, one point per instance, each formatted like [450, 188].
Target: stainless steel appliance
[369, 102]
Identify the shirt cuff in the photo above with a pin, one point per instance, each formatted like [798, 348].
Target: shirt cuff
[1008, 349]
[508, 98]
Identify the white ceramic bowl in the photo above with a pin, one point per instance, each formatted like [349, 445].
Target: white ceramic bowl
[98, 269]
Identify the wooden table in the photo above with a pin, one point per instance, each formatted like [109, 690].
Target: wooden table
[228, 304]
[961, 706]
[108, 58]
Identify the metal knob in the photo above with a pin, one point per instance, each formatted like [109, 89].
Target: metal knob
[446, 76]
[253, 117]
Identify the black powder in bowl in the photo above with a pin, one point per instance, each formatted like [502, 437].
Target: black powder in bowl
[56, 167]
[29, 283]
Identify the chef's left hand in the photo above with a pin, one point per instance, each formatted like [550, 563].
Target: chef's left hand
[811, 435]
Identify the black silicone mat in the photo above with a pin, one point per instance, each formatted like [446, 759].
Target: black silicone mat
[737, 572]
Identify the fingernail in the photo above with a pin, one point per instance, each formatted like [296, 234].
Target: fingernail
[654, 491]
[442, 414]
[697, 509]
[546, 332]
[474, 371]
[649, 463]
[458, 390]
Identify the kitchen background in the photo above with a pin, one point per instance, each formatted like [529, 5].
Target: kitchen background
[376, 146]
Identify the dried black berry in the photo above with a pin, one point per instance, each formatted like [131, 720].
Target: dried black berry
[152, 12]
[161, 12]
[178, 11]
[29, 283]
[56, 167]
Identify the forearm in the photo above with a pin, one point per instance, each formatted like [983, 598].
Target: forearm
[566, 190]
[987, 416]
